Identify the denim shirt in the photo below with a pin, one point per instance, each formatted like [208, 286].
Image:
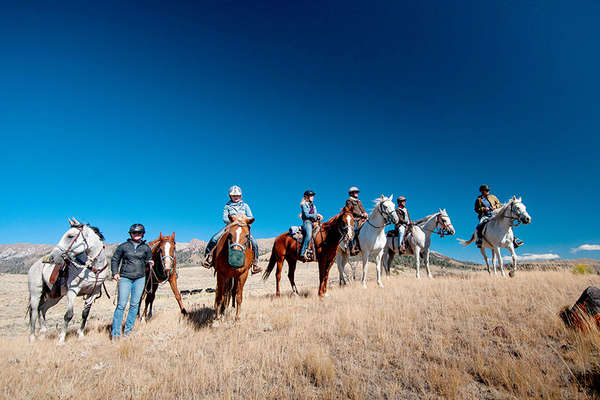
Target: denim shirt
[232, 208]
[306, 214]
[486, 203]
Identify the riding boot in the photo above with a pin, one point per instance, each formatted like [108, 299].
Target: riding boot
[208, 260]
[479, 236]
[517, 242]
[255, 268]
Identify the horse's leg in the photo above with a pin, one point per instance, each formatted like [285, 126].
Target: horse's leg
[385, 261]
[175, 289]
[494, 262]
[71, 295]
[426, 259]
[365, 262]
[513, 255]
[278, 274]
[86, 312]
[291, 274]
[147, 290]
[43, 308]
[499, 256]
[482, 251]
[34, 303]
[378, 259]
[418, 261]
[340, 262]
[152, 296]
[241, 281]
[219, 294]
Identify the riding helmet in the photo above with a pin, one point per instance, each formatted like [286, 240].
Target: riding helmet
[235, 191]
[353, 189]
[137, 228]
[401, 198]
[484, 187]
[309, 193]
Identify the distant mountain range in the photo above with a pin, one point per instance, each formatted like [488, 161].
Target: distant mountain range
[17, 258]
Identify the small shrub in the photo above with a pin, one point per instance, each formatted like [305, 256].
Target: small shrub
[318, 367]
[582, 269]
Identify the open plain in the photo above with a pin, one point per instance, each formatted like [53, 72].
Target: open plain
[460, 335]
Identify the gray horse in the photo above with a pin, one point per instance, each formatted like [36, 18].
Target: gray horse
[80, 241]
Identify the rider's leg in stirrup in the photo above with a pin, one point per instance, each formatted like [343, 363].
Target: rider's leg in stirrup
[307, 227]
[401, 245]
[255, 268]
[210, 247]
[517, 242]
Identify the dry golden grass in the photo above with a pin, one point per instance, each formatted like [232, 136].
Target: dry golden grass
[458, 337]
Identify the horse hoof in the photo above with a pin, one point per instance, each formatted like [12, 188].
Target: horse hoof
[143, 319]
[80, 335]
[380, 285]
[326, 295]
[216, 323]
[61, 342]
[184, 312]
[511, 274]
[364, 285]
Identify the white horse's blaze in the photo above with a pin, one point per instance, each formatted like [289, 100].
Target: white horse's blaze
[238, 231]
[167, 260]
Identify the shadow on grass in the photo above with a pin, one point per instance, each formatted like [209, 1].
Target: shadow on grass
[201, 317]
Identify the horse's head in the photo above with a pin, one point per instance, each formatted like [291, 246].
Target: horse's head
[166, 249]
[444, 223]
[346, 226]
[239, 231]
[387, 209]
[79, 238]
[517, 210]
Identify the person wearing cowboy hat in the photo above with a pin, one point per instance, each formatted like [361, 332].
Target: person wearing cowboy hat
[309, 215]
[128, 267]
[485, 204]
[359, 214]
[403, 222]
[233, 207]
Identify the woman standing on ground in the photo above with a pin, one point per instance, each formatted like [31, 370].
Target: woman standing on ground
[128, 267]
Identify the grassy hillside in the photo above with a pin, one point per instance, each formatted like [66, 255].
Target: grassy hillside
[467, 336]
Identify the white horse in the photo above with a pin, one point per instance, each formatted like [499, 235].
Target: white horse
[83, 280]
[419, 240]
[498, 233]
[371, 239]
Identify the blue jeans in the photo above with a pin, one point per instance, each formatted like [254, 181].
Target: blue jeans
[401, 231]
[213, 242]
[307, 227]
[127, 287]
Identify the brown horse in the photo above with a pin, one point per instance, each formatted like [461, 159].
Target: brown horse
[165, 264]
[337, 229]
[233, 259]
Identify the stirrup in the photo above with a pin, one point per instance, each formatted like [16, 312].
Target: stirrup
[255, 267]
[518, 242]
[207, 262]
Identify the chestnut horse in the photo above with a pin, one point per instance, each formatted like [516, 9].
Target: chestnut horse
[165, 264]
[338, 229]
[233, 259]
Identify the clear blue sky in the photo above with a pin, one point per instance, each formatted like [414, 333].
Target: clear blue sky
[117, 113]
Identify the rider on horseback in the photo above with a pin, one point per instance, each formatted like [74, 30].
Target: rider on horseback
[485, 205]
[309, 215]
[234, 206]
[359, 214]
[403, 222]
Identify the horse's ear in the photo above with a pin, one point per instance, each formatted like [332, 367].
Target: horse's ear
[391, 198]
[160, 235]
[76, 222]
[440, 209]
[519, 199]
[173, 235]
[70, 222]
[249, 220]
[514, 198]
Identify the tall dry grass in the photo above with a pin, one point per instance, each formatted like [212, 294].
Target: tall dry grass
[470, 337]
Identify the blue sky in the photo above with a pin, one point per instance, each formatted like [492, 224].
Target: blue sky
[117, 113]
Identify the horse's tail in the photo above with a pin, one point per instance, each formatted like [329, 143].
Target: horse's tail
[464, 242]
[271, 266]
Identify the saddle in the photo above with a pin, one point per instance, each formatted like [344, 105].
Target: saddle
[58, 279]
[297, 234]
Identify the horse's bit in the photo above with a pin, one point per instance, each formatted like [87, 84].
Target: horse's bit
[386, 216]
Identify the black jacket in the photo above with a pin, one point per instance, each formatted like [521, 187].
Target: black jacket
[133, 261]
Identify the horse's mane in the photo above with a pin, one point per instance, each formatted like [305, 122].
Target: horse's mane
[500, 210]
[334, 219]
[97, 232]
[427, 218]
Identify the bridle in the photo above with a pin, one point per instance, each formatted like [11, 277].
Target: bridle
[233, 244]
[344, 229]
[512, 215]
[444, 229]
[386, 216]
[163, 256]
[65, 252]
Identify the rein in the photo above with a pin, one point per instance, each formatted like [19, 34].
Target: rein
[385, 219]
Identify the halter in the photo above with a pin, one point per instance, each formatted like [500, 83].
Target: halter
[163, 257]
[343, 230]
[232, 244]
[386, 216]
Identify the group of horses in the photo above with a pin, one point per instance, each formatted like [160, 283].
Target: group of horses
[233, 258]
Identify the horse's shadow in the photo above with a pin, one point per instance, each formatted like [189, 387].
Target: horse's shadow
[201, 317]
